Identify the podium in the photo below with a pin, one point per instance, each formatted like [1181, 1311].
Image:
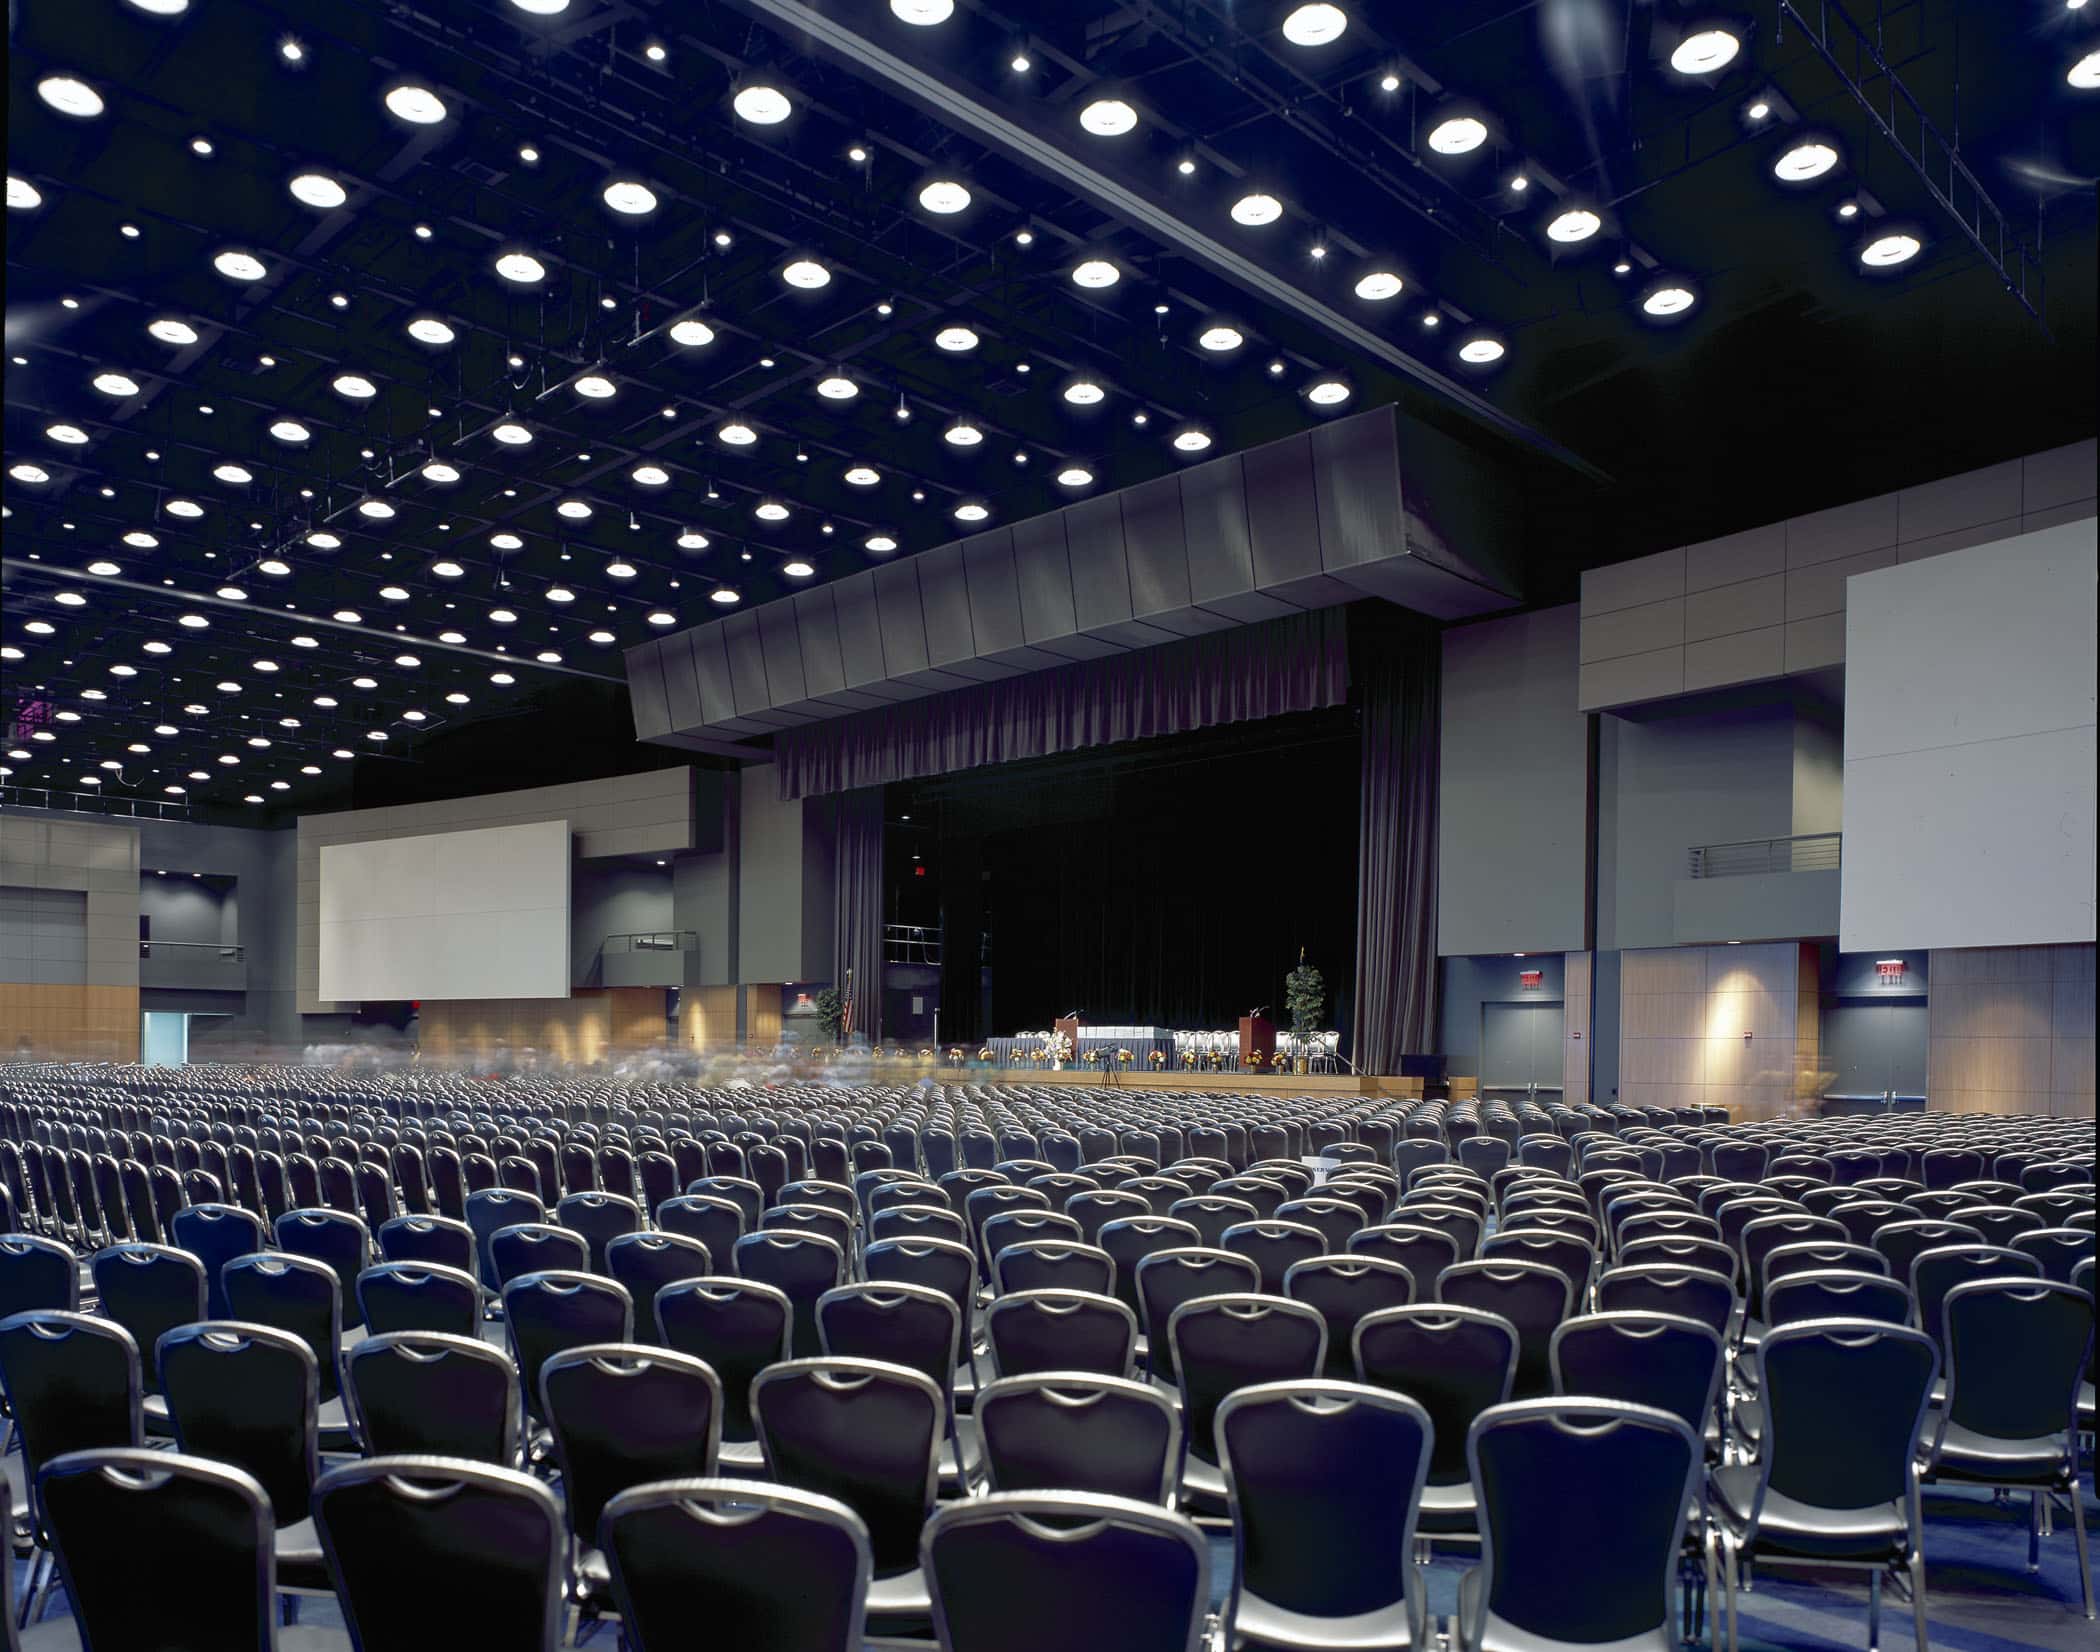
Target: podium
[1257, 1038]
[1071, 1026]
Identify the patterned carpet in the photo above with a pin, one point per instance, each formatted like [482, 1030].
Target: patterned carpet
[1980, 1595]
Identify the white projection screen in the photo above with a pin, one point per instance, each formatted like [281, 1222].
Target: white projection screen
[1969, 747]
[475, 914]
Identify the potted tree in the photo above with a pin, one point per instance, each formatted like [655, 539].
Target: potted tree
[830, 1006]
[1304, 995]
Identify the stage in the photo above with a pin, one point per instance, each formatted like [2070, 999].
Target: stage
[1080, 1078]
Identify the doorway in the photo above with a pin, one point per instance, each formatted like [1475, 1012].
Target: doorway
[1520, 1046]
[164, 1038]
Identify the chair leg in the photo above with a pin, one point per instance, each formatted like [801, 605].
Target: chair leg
[1728, 1585]
[1917, 1598]
[2034, 1531]
[2085, 1565]
[1874, 1610]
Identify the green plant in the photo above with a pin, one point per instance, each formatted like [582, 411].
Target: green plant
[1304, 995]
[831, 1012]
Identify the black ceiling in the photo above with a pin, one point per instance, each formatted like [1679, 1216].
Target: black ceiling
[1797, 379]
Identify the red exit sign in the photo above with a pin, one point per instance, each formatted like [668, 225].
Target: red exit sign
[1889, 971]
[1531, 979]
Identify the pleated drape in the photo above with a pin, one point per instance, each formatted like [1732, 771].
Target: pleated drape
[1398, 687]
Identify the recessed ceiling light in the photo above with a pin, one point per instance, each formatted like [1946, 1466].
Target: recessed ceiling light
[798, 569]
[770, 510]
[70, 96]
[862, 476]
[650, 476]
[116, 384]
[1481, 351]
[26, 472]
[1802, 161]
[1378, 285]
[560, 593]
[170, 331]
[447, 569]
[200, 146]
[1460, 135]
[1221, 337]
[924, 13]
[1096, 273]
[626, 196]
[417, 105]
[233, 475]
[1886, 250]
[962, 434]
[542, 8]
[1671, 298]
[807, 274]
[692, 333]
[236, 265]
[1705, 52]
[576, 510]
[693, 540]
[956, 339]
[439, 471]
[187, 508]
[289, 430]
[944, 196]
[521, 267]
[1084, 393]
[22, 195]
[596, 386]
[1108, 117]
[737, 434]
[1315, 25]
[355, 386]
[1191, 440]
[970, 511]
[1327, 392]
[881, 543]
[1075, 476]
[428, 329]
[393, 593]
[1573, 224]
[317, 189]
[511, 434]
[2085, 73]
[1759, 110]
[1020, 63]
[1256, 209]
[762, 105]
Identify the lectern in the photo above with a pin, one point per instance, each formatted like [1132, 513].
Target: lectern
[1257, 1038]
[1070, 1026]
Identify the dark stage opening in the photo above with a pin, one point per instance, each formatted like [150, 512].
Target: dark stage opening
[1168, 882]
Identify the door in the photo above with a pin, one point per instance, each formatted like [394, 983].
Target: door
[1520, 1046]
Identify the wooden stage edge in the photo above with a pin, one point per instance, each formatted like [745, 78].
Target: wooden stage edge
[1278, 1084]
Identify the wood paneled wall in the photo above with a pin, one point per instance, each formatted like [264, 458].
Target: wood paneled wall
[590, 1025]
[2010, 1030]
[707, 1018]
[1579, 971]
[1718, 1025]
[68, 1023]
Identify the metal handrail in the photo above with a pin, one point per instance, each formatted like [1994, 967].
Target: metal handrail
[1808, 852]
[652, 940]
[235, 952]
[91, 803]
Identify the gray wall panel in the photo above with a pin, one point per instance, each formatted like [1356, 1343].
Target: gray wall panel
[778, 632]
[823, 667]
[645, 687]
[711, 665]
[994, 590]
[747, 663]
[681, 682]
[950, 637]
[860, 631]
[903, 618]
[1042, 559]
[1282, 514]
[1100, 563]
[1157, 542]
[1356, 479]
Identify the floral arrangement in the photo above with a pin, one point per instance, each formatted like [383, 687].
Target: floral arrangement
[1057, 1046]
[926, 1055]
[955, 1056]
[985, 1054]
[1188, 1059]
[1158, 1058]
[1123, 1056]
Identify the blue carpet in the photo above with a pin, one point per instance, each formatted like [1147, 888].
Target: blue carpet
[1980, 1597]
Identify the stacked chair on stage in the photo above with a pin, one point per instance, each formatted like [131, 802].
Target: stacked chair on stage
[497, 1361]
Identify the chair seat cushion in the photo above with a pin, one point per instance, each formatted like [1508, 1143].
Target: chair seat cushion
[901, 1596]
[741, 1457]
[1967, 1455]
[332, 1424]
[1262, 1626]
[1788, 1526]
[300, 1562]
[1447, 1509]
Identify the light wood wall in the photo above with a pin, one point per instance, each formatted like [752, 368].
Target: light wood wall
[1718, 1025]
[2010, 1030]
[593, 1024]
[762, 1014]
[707, 1018]
[68, 1023]
[1578, 970]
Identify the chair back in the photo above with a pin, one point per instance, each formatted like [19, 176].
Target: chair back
[1344, 1289]
[418, 1238]
[1935, 1272]
[215, 1235]
[908, 1325]
[2016, 1353]
[716, 1222]
[444, 1550]
[646, 1262]
[561, 1308]
[73, 1383]
[149, 1289]
[1067, 1431]
[337, 1239]
[1551, 1576]
[1112, 1575]
[865, 1433]
[1456, 1362]
[130, 1525]
[1659, 1360]
[1228, 1342]
[1053, 1265]
[1032, 1331]
[1835, 1293]
[424, 1393]
[1128, 1240]
[1530, 1295]
[419, 1296]
[37, 1274]
[296, 1294]
[247, 1395]
[1822, 1446]
[737, 1326]
[801, 1265]
[624, 1415]
[760, 1565]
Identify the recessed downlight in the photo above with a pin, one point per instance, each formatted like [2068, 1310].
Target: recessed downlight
[1573, 224]
[1668, 298]
[692, 334]
[429, 329]
[1459, 135]
[317, 189]
[629, 197]
[1886, 251]
[956, 340]
[170, 330]
[806, 273]
[417, 105]
[1108, 117]
[944, 196]
[1480, 351]
[1705, 52]
[1256, 209]
[762, 105]
[1805, 160]
[1075, 476]
[836, 387]
[1096, 273]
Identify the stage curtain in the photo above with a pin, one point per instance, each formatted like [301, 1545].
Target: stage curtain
[1300, 663]
[857, 924]
[1398, 687]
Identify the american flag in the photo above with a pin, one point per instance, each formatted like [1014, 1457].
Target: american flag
[846, 1014]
